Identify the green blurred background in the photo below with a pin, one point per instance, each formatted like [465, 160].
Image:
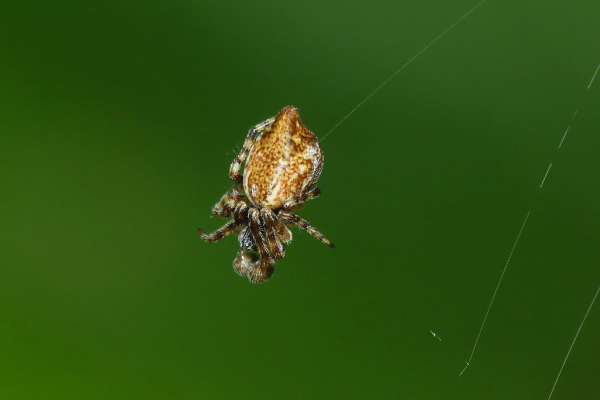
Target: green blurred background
[119, 120]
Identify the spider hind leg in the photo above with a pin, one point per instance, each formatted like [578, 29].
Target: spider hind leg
[296, 202]
[295, 220]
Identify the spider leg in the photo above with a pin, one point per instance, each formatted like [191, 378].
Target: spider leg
[284, 233]
[301, 198]
[268, 218]
[241, 213]
[228, 202]
[241, 216]
[219, 233]
[293, 219]
[259, 237]
[234, 170]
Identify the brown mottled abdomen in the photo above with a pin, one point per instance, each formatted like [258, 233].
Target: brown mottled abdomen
[284, 161]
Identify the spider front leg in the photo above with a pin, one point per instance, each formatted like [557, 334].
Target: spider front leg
[258, 270]
[269, 221]
[293, 219]
[234, 170]
[259, 238]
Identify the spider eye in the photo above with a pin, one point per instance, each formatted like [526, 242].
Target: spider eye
[246, 239]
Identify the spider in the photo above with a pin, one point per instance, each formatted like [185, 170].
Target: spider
[284, 163]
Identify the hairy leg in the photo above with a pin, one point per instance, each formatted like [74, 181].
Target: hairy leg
[259, 237]
[236, 165]
[275, 245]
[293, 219]
[301, 198]
[219, 233]
[228, 202]
[284, 233]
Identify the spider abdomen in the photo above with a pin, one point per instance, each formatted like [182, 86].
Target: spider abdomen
[285, 161]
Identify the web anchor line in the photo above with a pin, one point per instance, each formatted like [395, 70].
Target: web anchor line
[468, 362]
[597, 291]
[495, 292]
[573, 342]
[384, 83]
[423, 50]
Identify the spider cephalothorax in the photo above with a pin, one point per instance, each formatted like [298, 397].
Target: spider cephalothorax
[284, 163]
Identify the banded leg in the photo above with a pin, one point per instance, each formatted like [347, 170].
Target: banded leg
[228, 202]
[301, 198]
[219, 233]
[246, 238]
[241, 213]
[290, 218]
[284, 233]
[234, 170]
[259, 238]
[275, 245]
